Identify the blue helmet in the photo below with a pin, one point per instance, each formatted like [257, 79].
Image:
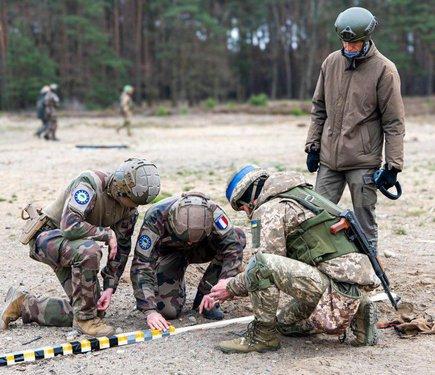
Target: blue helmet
[240, 181]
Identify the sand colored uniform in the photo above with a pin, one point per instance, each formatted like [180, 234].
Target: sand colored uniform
[126, 106]
[296, 256]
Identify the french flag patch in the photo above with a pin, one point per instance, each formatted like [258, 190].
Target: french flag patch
[221, 222]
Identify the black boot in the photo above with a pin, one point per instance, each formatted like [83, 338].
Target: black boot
[215, 313]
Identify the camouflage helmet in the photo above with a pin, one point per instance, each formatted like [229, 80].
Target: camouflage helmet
[137, 179]
[190, 217]
[240, 181]
[355, 24]
[128, 89]
[45, 89]
[54, 86]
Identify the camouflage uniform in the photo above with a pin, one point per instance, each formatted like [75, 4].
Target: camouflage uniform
[51, 101]
[325, 296]
[82, 215]
[126, 103]
[160, 259]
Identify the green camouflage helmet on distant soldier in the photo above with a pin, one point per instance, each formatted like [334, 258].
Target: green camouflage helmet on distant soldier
[355, 24]
[137, 179]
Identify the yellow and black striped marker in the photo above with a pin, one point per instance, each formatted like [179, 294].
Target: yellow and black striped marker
[84, 346]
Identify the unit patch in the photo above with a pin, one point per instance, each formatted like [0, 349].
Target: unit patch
[256, 233]
[81, 196]
[144, 242]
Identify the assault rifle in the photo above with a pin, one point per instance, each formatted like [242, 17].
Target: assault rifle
[354, 232]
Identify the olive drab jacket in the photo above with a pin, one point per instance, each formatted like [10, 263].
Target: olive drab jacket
[354, 110]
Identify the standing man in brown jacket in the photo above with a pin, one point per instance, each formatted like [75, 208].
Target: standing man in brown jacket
[356, 105]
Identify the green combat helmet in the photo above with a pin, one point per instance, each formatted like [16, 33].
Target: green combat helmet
[240, 181]
[190, 217]
[128, 89]
[137, 179]
[355, 24]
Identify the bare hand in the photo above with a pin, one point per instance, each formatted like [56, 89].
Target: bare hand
[104, 301]
[113, 245]
[219, 292]
[207, 303]
[156, 321]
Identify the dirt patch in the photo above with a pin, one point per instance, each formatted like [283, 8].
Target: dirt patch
[199, 152]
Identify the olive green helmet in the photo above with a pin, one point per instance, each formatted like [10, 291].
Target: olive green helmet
[137, 179]
[355, 24]
[190, 217]
[240, 181]
[128, 89]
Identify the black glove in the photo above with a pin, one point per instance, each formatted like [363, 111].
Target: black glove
[313, 160]
[387, 177]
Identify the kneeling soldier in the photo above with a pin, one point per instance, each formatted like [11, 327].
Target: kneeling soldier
[176, 232]
[297, 255]
[95, 207]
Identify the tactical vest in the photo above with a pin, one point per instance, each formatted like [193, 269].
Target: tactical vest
[312, 242]
[106, 212]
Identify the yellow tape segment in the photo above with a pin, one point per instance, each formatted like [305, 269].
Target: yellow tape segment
[10, 359]
[85, 346]
[29, 355]
[122, 339]
[48, 352]
[67, 348]
[104, 342]
[139, 335]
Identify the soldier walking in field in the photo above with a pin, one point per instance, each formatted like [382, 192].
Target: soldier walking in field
[51, 102]
[126, 105]
[176, 232]
[356, 106]
[95, 207]
[40, 111]
[297, 255]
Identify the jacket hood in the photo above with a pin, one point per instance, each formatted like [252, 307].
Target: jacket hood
[278, 183]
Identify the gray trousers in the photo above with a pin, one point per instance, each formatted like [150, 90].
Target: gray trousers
[331, 185]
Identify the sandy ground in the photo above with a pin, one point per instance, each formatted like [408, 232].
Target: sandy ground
[199, 152]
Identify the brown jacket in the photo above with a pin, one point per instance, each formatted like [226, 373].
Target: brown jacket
[354, 110]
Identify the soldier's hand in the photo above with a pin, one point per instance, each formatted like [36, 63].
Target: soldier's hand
[113, 245]
[155, 320]
[219, 292]
[104, 301]
[313, 160]
[207, 303]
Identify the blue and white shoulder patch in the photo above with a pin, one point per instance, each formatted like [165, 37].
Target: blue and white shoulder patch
[81, 198]
[146, 242]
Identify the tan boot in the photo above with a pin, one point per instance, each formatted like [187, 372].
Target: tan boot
[93, 327]
[12, 308]
[364, 322]
[259, 337]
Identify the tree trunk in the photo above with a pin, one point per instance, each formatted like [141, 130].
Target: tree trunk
[138, 50]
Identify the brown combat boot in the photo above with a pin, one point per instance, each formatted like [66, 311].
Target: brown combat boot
[12, 308]
[364, 322]
[93, 327]
[259, 337]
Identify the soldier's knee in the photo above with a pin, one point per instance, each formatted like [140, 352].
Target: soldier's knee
[258, 275]
[89, 255]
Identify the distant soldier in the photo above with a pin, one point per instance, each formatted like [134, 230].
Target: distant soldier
[51, 102]
[296, 255]
[357, 112]
[95, 207]
[176, 232]
[40, 111]
[126, 104]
